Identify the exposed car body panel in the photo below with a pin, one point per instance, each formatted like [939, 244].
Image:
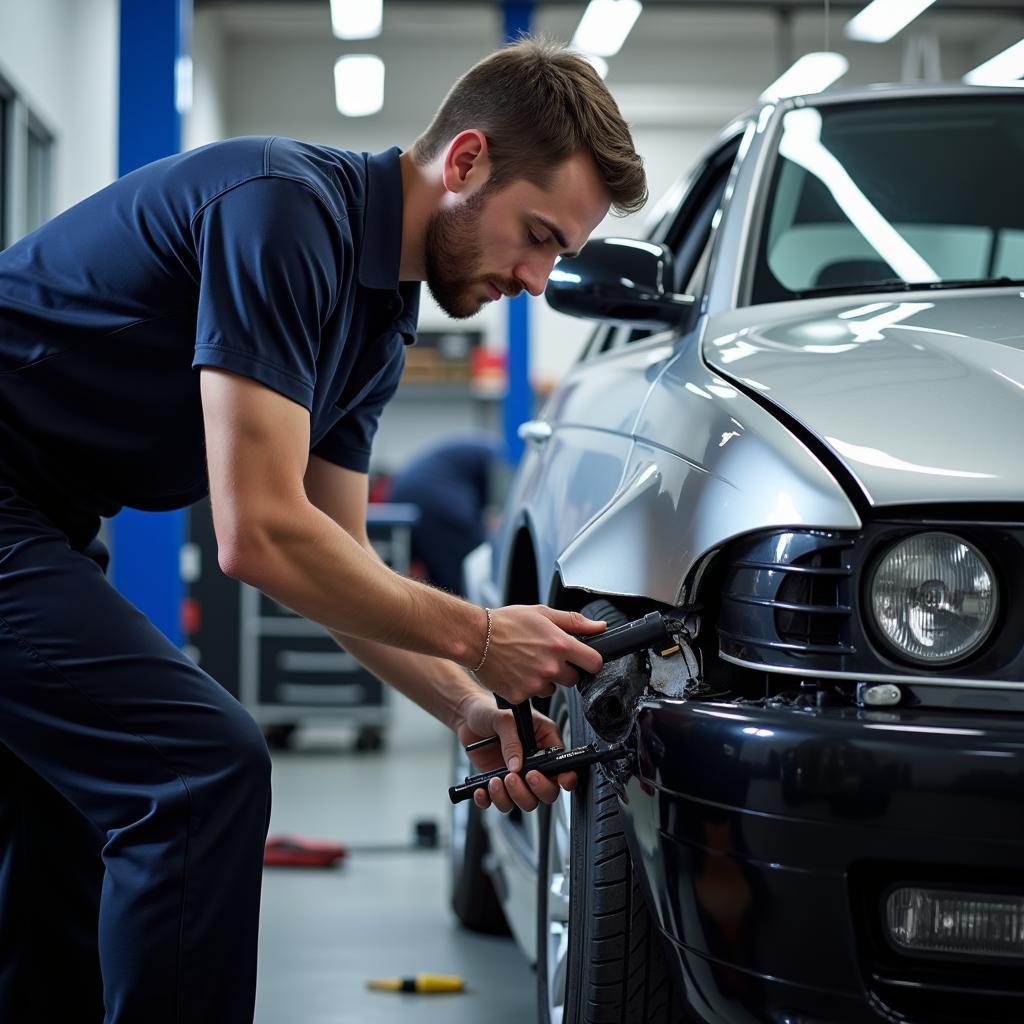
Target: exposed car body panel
[740, 462]
[919, 394]
[799, 803]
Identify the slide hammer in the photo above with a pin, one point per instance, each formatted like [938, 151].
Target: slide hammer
[653, 630]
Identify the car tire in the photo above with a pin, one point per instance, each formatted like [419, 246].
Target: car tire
[474, 899]
[599, 956]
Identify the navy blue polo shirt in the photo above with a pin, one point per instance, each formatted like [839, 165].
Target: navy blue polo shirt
[271, 258]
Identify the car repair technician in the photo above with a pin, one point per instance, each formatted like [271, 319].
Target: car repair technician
[233, 319]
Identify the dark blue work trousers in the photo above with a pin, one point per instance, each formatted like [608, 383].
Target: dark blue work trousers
[134, 802]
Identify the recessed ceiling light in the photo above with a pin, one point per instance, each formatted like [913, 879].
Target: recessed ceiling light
[359, 85]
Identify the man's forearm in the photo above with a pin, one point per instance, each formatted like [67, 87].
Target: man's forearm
[309, 563]
[436, 685]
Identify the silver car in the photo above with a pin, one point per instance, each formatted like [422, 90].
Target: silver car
[797, 428]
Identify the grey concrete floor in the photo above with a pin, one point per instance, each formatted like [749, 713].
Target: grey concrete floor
[324, 933]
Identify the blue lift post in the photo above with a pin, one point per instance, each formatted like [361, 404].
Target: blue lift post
[519, 396]
[146, 546]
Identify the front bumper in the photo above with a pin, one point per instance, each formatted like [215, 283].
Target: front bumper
[766, 837]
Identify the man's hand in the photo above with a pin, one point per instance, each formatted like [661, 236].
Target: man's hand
[534, 647]
[480, 718]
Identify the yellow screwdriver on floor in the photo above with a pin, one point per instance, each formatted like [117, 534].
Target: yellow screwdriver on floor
[427, 983]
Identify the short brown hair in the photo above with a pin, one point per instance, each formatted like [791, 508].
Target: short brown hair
[538, 104]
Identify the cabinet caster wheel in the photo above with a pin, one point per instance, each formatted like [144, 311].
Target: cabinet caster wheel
[279, 735]
[370, 739]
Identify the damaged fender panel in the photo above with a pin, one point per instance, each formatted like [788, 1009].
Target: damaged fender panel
[709, 464]
[567, 479]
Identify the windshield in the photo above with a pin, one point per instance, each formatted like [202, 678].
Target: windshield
[923, 191]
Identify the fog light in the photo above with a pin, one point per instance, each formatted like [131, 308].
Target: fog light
[943, 921]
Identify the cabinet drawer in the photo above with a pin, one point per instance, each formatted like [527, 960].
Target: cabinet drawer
[313, 671]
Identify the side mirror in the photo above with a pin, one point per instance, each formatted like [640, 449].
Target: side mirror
[619, 281]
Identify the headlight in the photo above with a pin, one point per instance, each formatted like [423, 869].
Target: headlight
[934, 598]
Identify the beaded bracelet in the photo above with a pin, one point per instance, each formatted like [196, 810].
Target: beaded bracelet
[487, 641]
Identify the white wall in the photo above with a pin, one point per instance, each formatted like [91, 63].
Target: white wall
[61, 56]
[204, 122]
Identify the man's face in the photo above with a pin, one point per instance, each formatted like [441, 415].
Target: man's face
[490, 244]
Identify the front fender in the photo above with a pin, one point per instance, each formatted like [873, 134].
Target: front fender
[708, 464]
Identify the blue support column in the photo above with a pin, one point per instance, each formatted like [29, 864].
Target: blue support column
[154, 34]
[519, 397]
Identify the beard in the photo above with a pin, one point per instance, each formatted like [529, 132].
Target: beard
[452, 256]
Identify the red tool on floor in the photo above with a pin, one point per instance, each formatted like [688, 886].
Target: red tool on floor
[300, 852]
[291, 851]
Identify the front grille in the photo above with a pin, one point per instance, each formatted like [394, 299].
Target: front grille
[809, 609]
[788, 595]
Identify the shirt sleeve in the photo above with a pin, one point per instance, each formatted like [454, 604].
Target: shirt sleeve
[349, 441]
[269, 258]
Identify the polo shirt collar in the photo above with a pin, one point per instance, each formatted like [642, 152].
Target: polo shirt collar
[382, 225]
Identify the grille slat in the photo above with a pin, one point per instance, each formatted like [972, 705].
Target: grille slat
[810, 570]
[788, 592]
[779, 645]
[816, 609]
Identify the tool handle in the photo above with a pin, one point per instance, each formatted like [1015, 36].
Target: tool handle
[548, 764]
[651, 630]
[638, 635]
[523, 714]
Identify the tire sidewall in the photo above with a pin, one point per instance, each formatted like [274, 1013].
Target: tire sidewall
[565, 705]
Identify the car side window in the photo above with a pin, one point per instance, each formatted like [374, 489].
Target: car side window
[595, 344]
[691, 234]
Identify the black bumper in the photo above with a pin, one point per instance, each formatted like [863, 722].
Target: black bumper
[768, 837]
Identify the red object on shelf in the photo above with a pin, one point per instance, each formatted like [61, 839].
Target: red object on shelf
[300, 852]
[487, 370]
[191, 615]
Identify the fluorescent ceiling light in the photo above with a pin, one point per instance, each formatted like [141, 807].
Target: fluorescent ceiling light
[356, 19]
[604, 26]
[1003, 69]
[813, 72]
[882, 19]
[359, 85]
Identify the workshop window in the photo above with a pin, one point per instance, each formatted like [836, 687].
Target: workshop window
[26, 167]
[38, 186]
[6, 97]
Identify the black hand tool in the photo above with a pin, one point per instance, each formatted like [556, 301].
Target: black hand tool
[631, 638]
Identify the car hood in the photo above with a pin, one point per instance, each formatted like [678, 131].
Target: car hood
[920, 395]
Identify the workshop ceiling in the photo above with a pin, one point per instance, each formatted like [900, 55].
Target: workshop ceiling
[704, 19]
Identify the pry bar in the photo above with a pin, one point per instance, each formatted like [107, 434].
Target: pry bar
[549, 762]
[650, 631]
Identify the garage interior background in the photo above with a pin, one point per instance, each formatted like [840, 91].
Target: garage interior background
[267, 68]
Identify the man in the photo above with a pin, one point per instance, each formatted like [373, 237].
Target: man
[233, 318]
[449, 483]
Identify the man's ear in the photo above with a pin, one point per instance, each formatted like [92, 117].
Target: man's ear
[466, 163]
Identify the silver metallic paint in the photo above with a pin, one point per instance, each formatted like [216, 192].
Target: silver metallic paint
[564, 482]
[920, 394]
[741, 471]
[674, 485]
